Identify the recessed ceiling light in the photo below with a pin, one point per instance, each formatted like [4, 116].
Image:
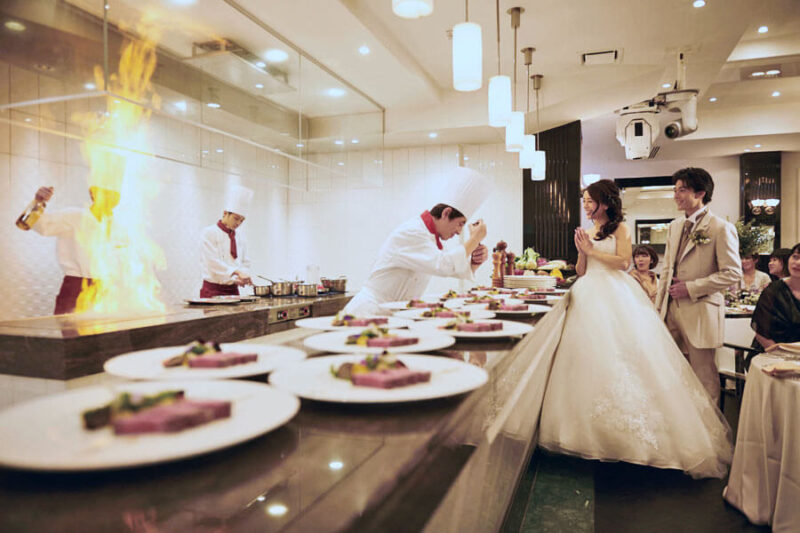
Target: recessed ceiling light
[260, 64]
[699, 3]
[712, 99]
[747, 149]
[219, 150]
[776, 94]
[29, 119]
[13, 25]
[339, 142]
[90, 86]
[666, 85]
[411, 9]
[261, 497]
[213, 105]
[363, 49]
[763, 29]
[433, 135]
[180, 106]
[276, 56]
[259, 85]
[756, 146]
[183, 2]
[277, 509]
[340, 163]
[335, 465]
[205, 151]
[758, 73]
[335, 92]
[466, 158]
[355, 141]
[300, 145]
[773, 72]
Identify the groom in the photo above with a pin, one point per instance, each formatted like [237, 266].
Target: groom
[702, 259]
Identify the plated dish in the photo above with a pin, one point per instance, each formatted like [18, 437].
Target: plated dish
[352, 341]
[149, 364]
[510, 310]
[487, 328]
[423, 314]
[313, 379]
[48, 433]
[337, 322]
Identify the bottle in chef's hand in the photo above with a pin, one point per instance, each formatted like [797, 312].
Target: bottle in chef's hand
[35, 209]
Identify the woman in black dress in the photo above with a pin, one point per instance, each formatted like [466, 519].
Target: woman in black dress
[777, 315]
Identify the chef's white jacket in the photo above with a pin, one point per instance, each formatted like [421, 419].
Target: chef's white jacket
[405, 264]
[66, 225]
[218, 263]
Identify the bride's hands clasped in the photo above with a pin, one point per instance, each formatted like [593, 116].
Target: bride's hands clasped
[583, 242]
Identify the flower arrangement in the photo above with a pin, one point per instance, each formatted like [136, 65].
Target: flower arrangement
[753, 239]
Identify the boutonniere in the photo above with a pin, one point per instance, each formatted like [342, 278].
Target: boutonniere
[699, 237]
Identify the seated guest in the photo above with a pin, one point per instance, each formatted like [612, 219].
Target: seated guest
[752, 280]
[778, 263]
[777, 315]
[644, 260]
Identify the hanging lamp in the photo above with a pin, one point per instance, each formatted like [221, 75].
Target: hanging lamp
[412, 9]
[526, 155]
[515, 129]
[539, 168]
[499, 87]
[467, 55]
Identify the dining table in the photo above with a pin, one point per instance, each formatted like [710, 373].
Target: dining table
[764, 481]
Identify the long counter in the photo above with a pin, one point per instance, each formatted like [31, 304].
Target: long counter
[443, 465]
[66, 347]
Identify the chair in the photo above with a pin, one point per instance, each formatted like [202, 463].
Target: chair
[742, 357]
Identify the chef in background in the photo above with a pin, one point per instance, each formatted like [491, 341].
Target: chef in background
[73, 227]
[226, 265]
[414, 253]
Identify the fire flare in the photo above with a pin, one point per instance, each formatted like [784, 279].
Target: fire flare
[123, 258]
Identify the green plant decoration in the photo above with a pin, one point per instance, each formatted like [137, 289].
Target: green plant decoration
[753, 239]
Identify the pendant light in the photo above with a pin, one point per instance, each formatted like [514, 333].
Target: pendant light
[412, 9]
[499, 87]
[515, 129]
[467, 55]
[539, 168]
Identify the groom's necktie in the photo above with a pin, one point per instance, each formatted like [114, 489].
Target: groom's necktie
[687, 230]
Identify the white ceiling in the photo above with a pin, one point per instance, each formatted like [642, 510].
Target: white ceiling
[408, 68]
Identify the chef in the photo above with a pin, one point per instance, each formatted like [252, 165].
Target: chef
[74, 227]
[226, 265]
[414, 251]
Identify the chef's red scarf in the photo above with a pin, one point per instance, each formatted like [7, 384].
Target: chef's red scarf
[427, 218]
[231, 234]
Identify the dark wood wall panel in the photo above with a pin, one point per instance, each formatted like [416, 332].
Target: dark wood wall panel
[550, 208]
[760, 178]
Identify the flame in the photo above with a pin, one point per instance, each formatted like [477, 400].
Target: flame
[123, 258]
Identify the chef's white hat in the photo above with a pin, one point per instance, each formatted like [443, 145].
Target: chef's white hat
[239, 199]
[465, 189]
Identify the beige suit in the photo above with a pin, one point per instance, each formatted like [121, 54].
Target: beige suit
[697, 323]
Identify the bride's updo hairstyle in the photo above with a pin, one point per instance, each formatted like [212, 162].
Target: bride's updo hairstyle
[606, 192]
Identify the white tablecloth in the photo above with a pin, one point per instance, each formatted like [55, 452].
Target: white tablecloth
[765, 475]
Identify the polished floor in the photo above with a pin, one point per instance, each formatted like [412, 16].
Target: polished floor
[565, 494]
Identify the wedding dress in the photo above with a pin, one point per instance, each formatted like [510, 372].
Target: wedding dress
[619, 387]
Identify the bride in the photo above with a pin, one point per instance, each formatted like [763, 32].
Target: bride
[619, 387]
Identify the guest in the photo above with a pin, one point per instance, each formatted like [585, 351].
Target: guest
[752, 280]
[778, 263]
[644, 260]
[777, 315]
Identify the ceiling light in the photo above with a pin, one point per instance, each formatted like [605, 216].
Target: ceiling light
[747, 149]
[363, 49]
[219, 150]
[181, 105]
[260, 64]
[515, 131]
[335, 92]
[205, 151]
[355, 141]
[467, 57]
[28, 119]
[340, 163]
[699, 3]
[213, 105]
[466, 158]
[775, 94]
[757, 73]
[433, 135]
[712, 99]
[335, 465]
[261, 497]
[259, 85]
[339, 142]
[666, 85]
[277, 509]
[13, 25]
[412, 9]
[773, 72]
[183, 2]
[276, 56]
[763, 29]
[300, 145]
[90, 86]
[756, 146]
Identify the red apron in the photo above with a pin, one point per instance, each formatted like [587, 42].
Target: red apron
[68, 295]
[209, 290]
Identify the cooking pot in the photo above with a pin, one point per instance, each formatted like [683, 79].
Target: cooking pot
[335, 285]
[261, 290]
[282, 288]
[306, 289]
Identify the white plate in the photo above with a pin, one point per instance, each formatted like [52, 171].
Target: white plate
[510, 329]
[48, 434]
[147, 364]
[532, 310]
[458, 303]
[312, 379]
[399, 306]
[324, 323]
[552, 291]
[336, 342]
[416, 314]
[500, 295]
[548, 298]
